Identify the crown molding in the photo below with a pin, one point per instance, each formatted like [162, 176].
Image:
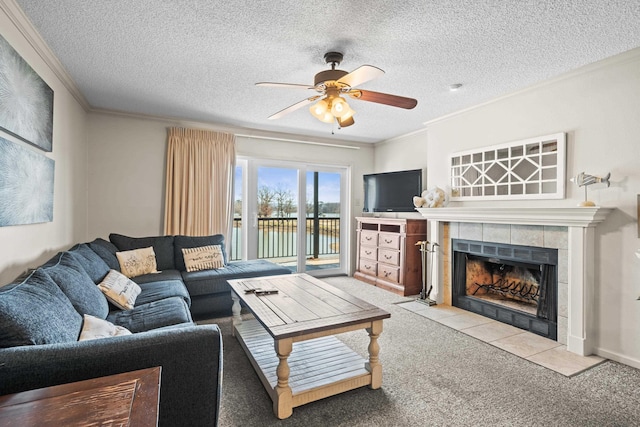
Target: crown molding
[401, 137]
[248, 133]
[31, 35]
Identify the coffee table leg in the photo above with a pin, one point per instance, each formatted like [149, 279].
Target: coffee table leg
[235, 309]
[373, 365]
[283, 402]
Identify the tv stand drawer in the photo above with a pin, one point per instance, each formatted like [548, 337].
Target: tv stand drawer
[369, 238]
[388, 240]
[389, 257]
[369, 252]
[368, 267]
[389, 273]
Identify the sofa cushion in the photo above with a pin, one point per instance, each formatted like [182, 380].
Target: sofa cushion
[156, 314]
[76, 284]
[211, 305]
[120, 290]
[214, 281]
[162, 246]
[95, 266]
[36, 311]
[94, 328]
[188, 242]
[106, 251]
[158, 276]
[154, 291]
[137, 262]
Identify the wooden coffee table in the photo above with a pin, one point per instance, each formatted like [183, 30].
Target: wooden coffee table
[299, 322]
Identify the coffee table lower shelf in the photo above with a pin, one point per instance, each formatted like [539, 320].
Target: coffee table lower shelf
[319, 367]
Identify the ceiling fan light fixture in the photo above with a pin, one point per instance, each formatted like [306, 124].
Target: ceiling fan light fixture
[330, 106]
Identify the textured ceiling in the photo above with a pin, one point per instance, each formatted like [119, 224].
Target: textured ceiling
[199, 59]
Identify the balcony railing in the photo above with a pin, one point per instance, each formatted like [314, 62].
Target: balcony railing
[277, 237]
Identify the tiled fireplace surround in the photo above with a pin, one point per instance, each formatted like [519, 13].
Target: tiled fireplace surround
[570, 230]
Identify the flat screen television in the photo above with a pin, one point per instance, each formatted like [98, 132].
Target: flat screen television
[392, 191]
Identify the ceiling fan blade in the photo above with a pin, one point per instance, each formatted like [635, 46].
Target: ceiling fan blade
[293, 107]
[384, 98]
[272, 84]
[361, 75]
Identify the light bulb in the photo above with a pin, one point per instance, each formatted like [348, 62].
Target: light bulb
[339, 107]
[319, 109]
[327, 117]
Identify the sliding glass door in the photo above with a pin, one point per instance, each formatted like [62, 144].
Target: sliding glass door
[322, 220]
[290, 214]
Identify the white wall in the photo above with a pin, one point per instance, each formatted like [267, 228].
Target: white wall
[127, 163]
[599, 109]
[404, 153]
[26, 246]
[126, 175]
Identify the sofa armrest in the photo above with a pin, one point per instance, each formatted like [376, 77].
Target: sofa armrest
[190, 357]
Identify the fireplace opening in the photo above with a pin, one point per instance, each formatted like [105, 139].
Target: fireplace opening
[510, 283]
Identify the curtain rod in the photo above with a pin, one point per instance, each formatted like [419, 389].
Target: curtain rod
[299, 141]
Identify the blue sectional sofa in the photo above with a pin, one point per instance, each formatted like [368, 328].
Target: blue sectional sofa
[43, 312]
[209, 290]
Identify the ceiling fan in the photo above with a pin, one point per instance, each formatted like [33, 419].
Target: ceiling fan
[330, 84]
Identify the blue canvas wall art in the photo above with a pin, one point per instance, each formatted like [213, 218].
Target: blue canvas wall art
[26, 185]
[26, 101]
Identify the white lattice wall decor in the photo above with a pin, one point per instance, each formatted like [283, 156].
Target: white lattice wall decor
[529, 169]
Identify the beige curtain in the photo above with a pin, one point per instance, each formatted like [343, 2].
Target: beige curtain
[199, 183]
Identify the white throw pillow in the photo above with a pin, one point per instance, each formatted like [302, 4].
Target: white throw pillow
[94, 328]
[203, 258]
[137, 262]
[120, 290]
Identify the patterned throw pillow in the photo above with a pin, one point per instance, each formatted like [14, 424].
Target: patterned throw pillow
[137, 262]
[120, 290]
[94, 328]
[203, 258]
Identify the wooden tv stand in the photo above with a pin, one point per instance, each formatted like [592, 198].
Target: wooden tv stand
[387, 255]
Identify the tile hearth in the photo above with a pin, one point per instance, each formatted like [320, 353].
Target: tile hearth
[536, 349]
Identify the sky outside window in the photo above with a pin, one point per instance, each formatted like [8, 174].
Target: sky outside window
[329, 183]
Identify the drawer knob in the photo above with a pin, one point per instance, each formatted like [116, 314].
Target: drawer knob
[367, 252]
[388, 241]
[368, 267]
[387, 273]
[368, 237]
[387, 256]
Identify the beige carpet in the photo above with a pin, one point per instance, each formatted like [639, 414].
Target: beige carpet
[436, 376]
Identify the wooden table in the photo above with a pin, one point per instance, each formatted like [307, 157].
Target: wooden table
[128, 399]
[299, 322]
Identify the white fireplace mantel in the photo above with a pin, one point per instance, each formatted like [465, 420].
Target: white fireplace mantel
[580, 222]
[567, 216]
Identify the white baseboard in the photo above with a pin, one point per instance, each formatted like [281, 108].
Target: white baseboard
[635, 363]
